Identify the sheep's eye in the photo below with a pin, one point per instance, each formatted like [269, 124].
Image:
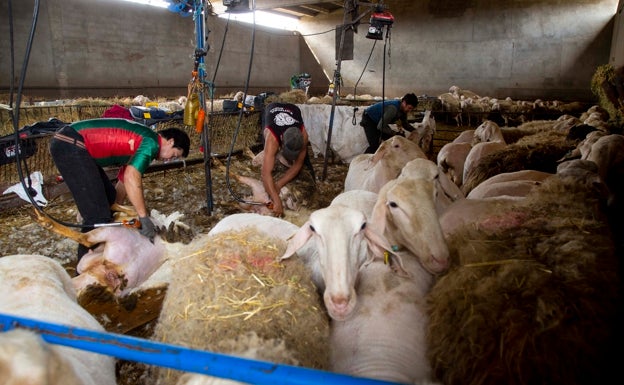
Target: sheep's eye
[393, 204]
[312, 228]
[363, 226]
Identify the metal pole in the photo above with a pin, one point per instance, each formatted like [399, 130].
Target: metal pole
[337, 78]
[180, 358]
[200, 53]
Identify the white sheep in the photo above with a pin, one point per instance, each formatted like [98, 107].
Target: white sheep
[406, 214]
[38, 287]
[509, 184]
[384, 338]
[488, 139]
[344, 243]
[122, 261]
[371, 171]
[451, 159]
[423, 133]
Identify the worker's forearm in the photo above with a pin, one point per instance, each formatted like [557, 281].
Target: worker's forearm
[134, 190]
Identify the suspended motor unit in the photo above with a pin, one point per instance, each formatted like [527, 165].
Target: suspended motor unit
[379, 19]
[236, 6]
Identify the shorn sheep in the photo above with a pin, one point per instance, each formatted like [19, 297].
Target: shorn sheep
[229, 294]
[532, 293]
[38, 287]
[371, 171]
[344, 242]
[384, 338]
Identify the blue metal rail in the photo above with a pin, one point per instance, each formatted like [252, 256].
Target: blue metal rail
[181, 358]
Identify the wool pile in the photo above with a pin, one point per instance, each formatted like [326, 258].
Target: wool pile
[230, 295]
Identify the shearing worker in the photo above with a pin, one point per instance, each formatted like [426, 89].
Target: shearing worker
[285, 142]
[377, 117]
[82, 149]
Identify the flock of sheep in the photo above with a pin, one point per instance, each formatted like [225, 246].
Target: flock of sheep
[496, 262]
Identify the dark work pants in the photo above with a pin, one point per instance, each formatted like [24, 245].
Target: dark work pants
[92, 190]
[373, 135]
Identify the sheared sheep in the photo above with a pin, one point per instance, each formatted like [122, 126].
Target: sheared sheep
[405, 212]
[511, 184]
[532, 293]
[38, 287]
[487, 139]
[451, 159]
[122, 260]
[344, 242]
[445, 191]
[384, 338]
[371, 171]
[423, 133]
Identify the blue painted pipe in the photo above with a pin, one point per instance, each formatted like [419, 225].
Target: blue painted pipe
[180, 358]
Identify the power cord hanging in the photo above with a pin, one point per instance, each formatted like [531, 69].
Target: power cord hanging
[240, 117]
[354, 120]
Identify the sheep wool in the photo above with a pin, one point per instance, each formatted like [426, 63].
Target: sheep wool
[230, 295]
[532, 294]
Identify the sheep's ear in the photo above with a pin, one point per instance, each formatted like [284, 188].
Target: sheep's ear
[381, 151]
[380, 211]
[297, 240]
[377, 244]
[396, 265]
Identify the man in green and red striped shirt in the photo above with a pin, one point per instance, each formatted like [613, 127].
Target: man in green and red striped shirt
[81, 150]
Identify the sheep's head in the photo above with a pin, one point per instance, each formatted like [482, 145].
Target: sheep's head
[344, 243]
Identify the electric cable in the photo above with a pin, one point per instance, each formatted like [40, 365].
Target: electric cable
[14, 110]
[354, 120]
[240, 117]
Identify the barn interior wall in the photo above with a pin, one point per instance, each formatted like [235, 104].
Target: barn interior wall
[521, 49]
[114, 48]
[617, 43]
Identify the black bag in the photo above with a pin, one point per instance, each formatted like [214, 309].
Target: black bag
[27, 145]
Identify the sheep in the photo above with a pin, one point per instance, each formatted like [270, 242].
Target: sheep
[25, 358]
[534, 286]
[464, 136]
[488, 131]
[516, 184]
[487, 139]
[476, 154]
[230, 295]
[405, 213]
[444, 190]
[541, 151]
[38, 287]
[344, 242]
[371, 171]
[423, 133]
[384, 338]
[451, 159]
[122, 260]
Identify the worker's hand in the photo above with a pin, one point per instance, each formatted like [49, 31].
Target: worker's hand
[147, 228]
[278, 209]
[395, 128]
